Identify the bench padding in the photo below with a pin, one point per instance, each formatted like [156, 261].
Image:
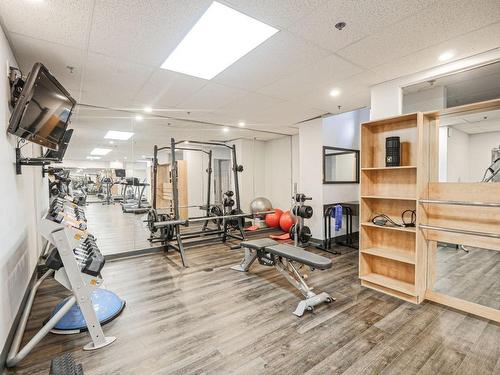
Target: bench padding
[259, 244]
[300, 255]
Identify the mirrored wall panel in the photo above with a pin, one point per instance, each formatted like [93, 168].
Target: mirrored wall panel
[109, 164]
[468, 273]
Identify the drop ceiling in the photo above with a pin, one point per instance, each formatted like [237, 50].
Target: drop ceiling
[117, 47]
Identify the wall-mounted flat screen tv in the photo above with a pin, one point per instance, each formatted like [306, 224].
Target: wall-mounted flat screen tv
[43, 110]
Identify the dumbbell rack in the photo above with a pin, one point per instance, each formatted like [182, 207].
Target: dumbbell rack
[82, 263]
[77, 263]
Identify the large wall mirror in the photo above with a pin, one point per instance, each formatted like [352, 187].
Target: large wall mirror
[109, 163]
[340, 165]
[460, 218]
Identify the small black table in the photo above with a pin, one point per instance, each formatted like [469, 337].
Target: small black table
[349, 209]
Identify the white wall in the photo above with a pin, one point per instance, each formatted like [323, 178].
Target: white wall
[25, 197]
[251, 154]
[311, 171]
[458, 156]
[278, 172]
[343, 131]
[480, 146]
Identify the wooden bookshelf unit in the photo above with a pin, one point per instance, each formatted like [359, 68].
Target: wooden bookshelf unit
[390, 260]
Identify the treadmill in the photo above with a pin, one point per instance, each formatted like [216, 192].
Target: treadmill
[139, 205]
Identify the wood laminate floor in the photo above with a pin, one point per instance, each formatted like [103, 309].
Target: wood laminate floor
[116, 232]
[472, 276]
[208, 319]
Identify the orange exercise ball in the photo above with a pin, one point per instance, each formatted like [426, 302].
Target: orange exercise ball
[286, 221]
[273, 220]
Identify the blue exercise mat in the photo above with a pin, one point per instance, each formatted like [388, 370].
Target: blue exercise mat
[107, 306]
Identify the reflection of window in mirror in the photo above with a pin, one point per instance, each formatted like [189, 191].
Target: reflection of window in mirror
[340, 165]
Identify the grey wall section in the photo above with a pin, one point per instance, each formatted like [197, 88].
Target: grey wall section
[24, 199]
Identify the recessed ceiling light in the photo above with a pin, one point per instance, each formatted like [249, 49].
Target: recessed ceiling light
[111, 142]
[121, 136]
[225, 130]
[220, 37]
[93, 157]
[241, 124]
[124, 158]
[144, 156]
[148, 109]
[100, 151]
[138, 118]
[446, 56]
[335, 92]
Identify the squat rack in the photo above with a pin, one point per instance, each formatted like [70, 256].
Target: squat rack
[171, 225]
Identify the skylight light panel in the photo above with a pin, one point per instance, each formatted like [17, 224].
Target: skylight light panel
[100, 151]
[220, 37]
[121, 136]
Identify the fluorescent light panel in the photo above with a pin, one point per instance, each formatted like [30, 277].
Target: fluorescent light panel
[121, 136]
[100, 151]
[93, 157]
[220, 37]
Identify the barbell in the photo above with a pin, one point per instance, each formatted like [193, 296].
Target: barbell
[155, 222]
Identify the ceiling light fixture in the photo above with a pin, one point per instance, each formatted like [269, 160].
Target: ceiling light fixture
[220, 38]
[93, 157]
[241, 124]
[445, 56]
[335, 92]
[120, 136]
[148, 109]
[225, 130]
[100, 151]
[138, 118]
[111, 142]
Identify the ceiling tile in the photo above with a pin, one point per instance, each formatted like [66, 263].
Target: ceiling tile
[143, 31]
[464, 46]
[55, 57]
[277, 13]
[211, 97]
[112, 82]
[280, 55]
[49, 20]
[354, 94]
[437, 23]
[284, 114]
[362, 17]
[330, 70]
[246, 106]
[166, 89]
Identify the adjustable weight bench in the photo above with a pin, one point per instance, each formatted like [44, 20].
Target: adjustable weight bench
[284, 258]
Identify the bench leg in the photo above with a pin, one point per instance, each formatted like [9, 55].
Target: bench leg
[246, 262]
[288, 270]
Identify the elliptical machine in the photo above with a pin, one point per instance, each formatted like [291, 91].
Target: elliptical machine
[300, 233]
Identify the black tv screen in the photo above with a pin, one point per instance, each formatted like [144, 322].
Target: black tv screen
[42, 113]
[120, 173]
[63, 146]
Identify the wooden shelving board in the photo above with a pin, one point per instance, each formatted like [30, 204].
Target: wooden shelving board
[392, 198]
[388, 168]
[399, 255]
[391, 292]
[390, 283]
[402, 229]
